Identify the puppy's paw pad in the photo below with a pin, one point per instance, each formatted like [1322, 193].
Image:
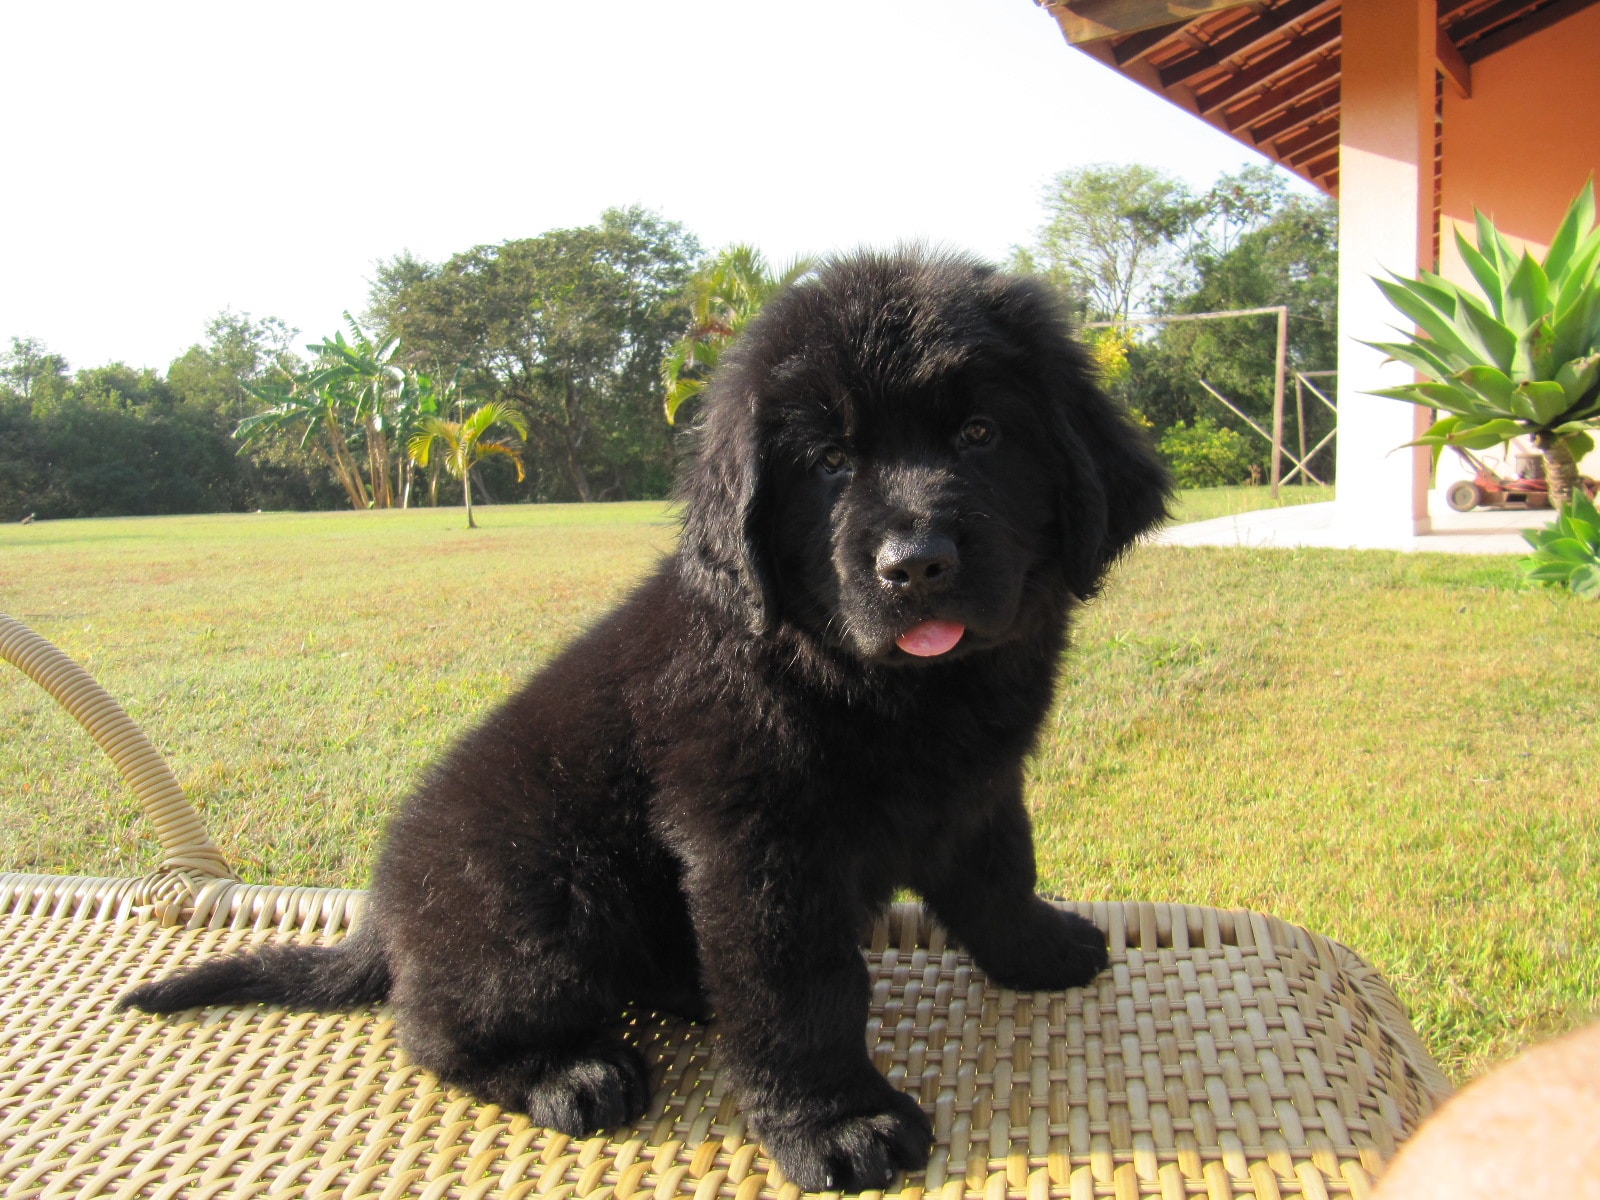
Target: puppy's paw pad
[602, 1089]
[862, 1152]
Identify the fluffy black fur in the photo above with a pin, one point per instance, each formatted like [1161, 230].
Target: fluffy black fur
[702, 803]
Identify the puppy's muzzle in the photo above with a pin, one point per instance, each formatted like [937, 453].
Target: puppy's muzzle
[917, 564]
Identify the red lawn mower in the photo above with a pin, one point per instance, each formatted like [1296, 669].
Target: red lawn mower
[1487, 489]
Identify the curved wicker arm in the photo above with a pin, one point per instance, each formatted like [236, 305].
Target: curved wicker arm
[189, 849]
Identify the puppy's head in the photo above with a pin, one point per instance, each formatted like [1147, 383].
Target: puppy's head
[907, 457]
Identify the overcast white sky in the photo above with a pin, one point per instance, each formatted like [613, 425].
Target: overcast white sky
[166, 161]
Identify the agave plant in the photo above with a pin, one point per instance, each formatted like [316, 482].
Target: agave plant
[1568, 552]
[1524, 359]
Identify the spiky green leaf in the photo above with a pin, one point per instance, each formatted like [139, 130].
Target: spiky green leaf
[1486, 435]
[1527, 295]
[1578, 277]
[1570, 233]
[1441, 328]
[1579, 377]
[1539, 402]
[1491, 383]
[1483, 271]
[1488, 243]
[1585, 581]
[1580, 530]
[1575, 330]
[1448, 396]
[1568, 549]
[1418, 355]
[1536, 569]
[1491, 340]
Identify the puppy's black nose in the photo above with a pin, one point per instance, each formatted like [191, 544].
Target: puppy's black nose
[918, 563]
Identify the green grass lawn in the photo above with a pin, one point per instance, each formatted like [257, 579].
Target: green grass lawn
[1201, 504]
[1393, 750]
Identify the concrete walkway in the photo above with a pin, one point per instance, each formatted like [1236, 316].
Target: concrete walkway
[1482, 531]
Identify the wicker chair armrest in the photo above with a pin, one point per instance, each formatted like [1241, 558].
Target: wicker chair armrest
[188, 851]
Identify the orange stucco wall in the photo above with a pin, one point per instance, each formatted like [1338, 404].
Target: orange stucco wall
[1523, 145]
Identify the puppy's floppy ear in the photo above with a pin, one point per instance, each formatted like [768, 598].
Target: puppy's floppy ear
[723, 552]
[1114, 487]
[1129, 484]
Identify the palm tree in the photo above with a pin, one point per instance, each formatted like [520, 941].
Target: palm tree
[723, 296]
[425, 395]
[465, 445]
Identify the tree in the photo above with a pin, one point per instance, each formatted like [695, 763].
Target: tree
[724, 295]
[428, 395]
[351, 407]
[465, 445]
[1290, 257]
[238, 351]
[1115, 235]
[1237, 204]
[219, 377]
[363, 378]
[29, 361]
[116, 441]
[570, 327]
[319, 418]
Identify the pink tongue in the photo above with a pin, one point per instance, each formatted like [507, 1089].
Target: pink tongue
[931, 638]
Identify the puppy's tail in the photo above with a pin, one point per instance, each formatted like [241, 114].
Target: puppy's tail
[316, 977]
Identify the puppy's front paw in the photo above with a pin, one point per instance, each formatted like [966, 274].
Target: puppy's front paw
[1049, 951]
[858, 1152]
[602, 1089]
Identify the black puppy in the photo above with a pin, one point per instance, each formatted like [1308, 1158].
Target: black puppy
[905, 480]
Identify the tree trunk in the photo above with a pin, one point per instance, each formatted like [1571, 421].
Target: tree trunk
[466, 490]
[1559, 468]
[345, 466]
[572, 439]
[483, 488]
[338, 473]
[580, 481]
[378, 467]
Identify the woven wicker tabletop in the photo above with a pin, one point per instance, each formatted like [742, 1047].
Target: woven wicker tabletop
[1225, 1054]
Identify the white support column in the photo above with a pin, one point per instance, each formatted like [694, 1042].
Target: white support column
[1385, 221]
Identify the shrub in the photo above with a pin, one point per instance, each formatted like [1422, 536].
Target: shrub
[1206, 454]
[1567, 554]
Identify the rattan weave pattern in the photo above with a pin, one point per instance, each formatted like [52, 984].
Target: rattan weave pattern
[1225, 1054]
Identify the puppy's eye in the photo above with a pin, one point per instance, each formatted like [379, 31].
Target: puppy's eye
[832, 460]
[978, 431]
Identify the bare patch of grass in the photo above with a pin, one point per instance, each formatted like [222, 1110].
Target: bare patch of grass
[1390, 749]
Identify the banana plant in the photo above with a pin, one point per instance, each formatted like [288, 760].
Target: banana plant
[368, 377]
[320, 418]
[1522, 359]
